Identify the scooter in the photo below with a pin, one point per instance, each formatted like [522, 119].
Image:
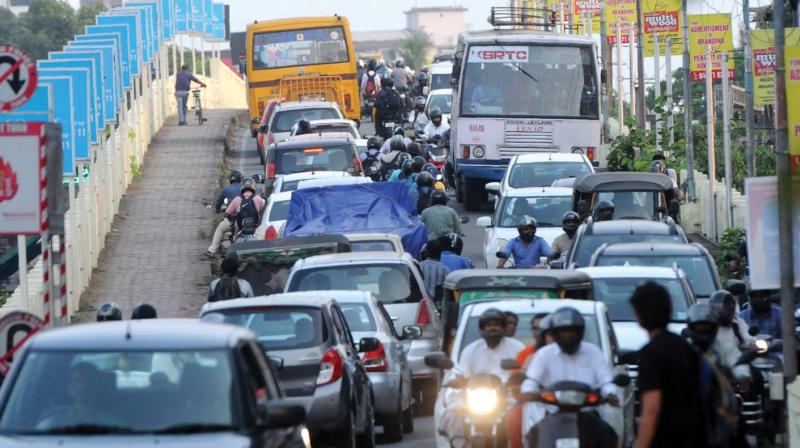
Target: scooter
[764, 416]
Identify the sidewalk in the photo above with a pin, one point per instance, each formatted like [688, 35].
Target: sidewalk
[155, 251]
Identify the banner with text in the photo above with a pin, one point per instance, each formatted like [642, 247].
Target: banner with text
[792, 57]
[624, 13]
[763, 43]
[713, 30]
[661, 17]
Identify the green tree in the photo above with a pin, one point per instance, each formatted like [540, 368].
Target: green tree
[88, 14]
[414, 48]
[8, 26]
[47, 26]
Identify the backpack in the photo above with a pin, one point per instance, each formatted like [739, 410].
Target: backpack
[248, 217]
[424, 199]
[226, 288]
[389, 103]
[371, 88]
[719, 404]
[388, 167]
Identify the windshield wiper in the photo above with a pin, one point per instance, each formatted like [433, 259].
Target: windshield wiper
[87, 429]
[516, 64]
[189, 428]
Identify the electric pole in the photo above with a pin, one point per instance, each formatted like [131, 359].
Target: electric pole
[641, 109]
[687, 106]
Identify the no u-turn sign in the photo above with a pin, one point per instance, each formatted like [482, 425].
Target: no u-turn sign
[17, 78]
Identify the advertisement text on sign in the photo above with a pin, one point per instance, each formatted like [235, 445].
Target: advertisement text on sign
[660, 22]
[498, 54]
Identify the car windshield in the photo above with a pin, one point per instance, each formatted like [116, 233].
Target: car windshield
[281, 327]
[290, 185]
[530, 81]
[697, 269]
[440, 81]
[304, 47]
[279, 211]
[547, 210]
[391, 283]
[630, 204]
[285, 119]
[523, 334]
[371, 246]
[69, 392]
[328, 158]
[542, 174]
[443, 102]
[585, 246]
[616, 293]
[358, 316]
[325, 129]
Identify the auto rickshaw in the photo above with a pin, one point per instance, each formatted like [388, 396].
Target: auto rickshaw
[472, 285]
[635, 195]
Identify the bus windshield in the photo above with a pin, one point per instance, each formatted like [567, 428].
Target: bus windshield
[530, 81]
[279, 49]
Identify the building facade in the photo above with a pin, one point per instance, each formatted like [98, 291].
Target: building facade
[443, 24]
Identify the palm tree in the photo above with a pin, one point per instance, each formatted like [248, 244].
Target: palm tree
[414, 48]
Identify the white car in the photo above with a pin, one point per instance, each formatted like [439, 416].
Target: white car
[289, 182]
[443, 99]
[333, 125]
[613, 285]
[540, 169]
[333, 181]
[276, 213]
[375, 242]
[545, 204]
[439, 76]
[287, 114]
[597, 331]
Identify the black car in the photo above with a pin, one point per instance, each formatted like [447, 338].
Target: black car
[170, 382]
[321, 367]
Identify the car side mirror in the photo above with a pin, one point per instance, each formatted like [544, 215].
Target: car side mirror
[438, 360]
[282, 414]
[259, 178]
[412, 332]
[464, 219]
[484, 221]
[493, 187]
[622, 380]
[276, 362]
[509, 364]
[736, 287]
[368, 344]
[556, 264]
[262, 129]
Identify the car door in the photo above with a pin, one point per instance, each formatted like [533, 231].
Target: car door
[358, 376]
[256, 393]
[628, 392]
[396, 351]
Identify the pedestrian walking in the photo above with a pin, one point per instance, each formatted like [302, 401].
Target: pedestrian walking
[183, 84]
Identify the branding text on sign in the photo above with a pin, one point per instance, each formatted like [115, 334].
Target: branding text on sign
[583, 6]
[763, 43]
[498, 54]
[764, 62]
[661, 18]
[529, 126]
[712, 30]
[661, 22]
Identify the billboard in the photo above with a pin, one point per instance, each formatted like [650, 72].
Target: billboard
[763, 44]
[713, 30]
[661, 17]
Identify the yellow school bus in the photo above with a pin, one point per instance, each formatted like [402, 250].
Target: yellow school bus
[304, 58]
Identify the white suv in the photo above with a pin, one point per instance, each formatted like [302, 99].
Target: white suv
[540, 170]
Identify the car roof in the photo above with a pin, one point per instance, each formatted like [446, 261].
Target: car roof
[293, 105]
[354, 257]
[372, 236]
[529, 278]
[303, 298]
[313, 175]
[285, 245]
[632, 226]
[622, 181]
[653, 249]
[146, 334]
[549, 157]
[442, 92]
[331, 122]
[627, 272]
[538, 191]
[333, 181]
[281, 196]
[535, 305]
[322, 139]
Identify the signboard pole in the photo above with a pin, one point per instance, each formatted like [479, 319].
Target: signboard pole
[657, 67]
[620, 86]
[670, 122]
[605, 52]
[22, 255]
[632, 68]
[640, 107]
[750, 155]
[182, 50]
[202, 56]
[726, 141]
[688, 132]
[712, 159]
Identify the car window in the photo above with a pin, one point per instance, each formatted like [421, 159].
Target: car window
[616, 293]
[387, 319]
[341, 327]
[254, 382]
[697, 270]
[391, 282]
[443, 102]
[289, 185]
[279, 210]
[542, 174]
[371, 246]
[328, 158]
[524, 335]
[547, 210]
[358, 316]
[612, 337]
[630, 204]
[160, 389]
[279, 327]
[440, 81]
[285, 119]
[586, 245]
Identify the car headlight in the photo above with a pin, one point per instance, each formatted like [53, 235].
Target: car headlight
[481, 400]
[479, 152]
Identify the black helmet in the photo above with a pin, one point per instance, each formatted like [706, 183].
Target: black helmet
[439, 197]
[419, 103]
[402, 157]
[399, 63]
[659, 156]
[702, 325]
[604, 211]
[456, 243]
[424, 179]
[235, 177]
[398, 130]
[567, 318]
[303, 127]
[431, 168]
[526, 221]
[396, 144]
[570, 221]
[422, 77]
[436, 113]
[419, 162]
[407, 168]
[725, 304]
[248, 184]
[109, 311]
[657, 166]
[387, 83]
[144, 311]
[490, 315]
[374, 142]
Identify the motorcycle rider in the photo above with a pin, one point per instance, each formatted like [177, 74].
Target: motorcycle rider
[382, 70]
[763, 314]
[659, 166]
[398, 131]
[436, 126]
[406, 171]
[482, 356]
[392, 160]
[144, 311]
[401, 77]
[424, 188]
[229, 285]
[371, 157]
[419, 119]
[440, 219]
[419, 86]
[527, 248]
[451, 256]
[238, 210]
[229, 192]
[438, 180]
[108, 311]
[604, 211]
[387, 106]
[370, 82]
[569, 224]
[732, 334]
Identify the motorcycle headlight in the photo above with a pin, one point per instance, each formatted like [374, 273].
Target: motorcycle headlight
[762, 346]
[481, 401]
[570, 397]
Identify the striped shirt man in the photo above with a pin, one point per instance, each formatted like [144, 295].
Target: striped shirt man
[440, 220]
[434, 272]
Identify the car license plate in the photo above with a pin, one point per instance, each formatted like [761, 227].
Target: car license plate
[568, 443]
[389, 124]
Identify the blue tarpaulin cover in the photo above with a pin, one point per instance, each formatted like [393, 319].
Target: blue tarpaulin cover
[380, 207]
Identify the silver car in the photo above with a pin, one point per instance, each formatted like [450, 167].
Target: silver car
[397, 282]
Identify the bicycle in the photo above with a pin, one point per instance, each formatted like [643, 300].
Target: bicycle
[198, 107]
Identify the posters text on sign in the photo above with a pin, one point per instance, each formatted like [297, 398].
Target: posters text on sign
[20, 188]
[792, 57]
[662, 17]
[763, 44]
[498, 54]
[710, 30]
[622, 12]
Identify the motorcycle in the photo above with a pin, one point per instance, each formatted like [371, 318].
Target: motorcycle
[763, 414]
[372, 169]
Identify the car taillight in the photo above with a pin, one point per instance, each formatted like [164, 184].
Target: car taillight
[348, 102]
[271, 139]
[330, 368]
[465, 151]
[357, 163]
[260, 107]
[424, 313]
[375, 361]
[271, 234]
[270, 171]
[590, 153]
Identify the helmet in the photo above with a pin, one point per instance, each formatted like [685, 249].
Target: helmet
[725, 304]
[144, 311]
[396, 144]
[402, 157]
[456, 243]
[398, 130]
[659, 156]
[419, 102]
[526, 221]
[439, 197]
[493, 336]
[399, 62]
[436, 113]
[431, 168]
[563, 319]
[235, 176]
[371, 64]
[360, 63]
[303, 127]
[374, 143]
[492, 314]
[419, 162]
[570, 221]
[422, 77]
[604, 211]
[702, 325]
[109, 311]
[407, 168]
[386, 82]
[248, 184]
[657, 166]
[424, 179]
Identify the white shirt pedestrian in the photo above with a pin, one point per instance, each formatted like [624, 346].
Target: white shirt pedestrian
[432, 130]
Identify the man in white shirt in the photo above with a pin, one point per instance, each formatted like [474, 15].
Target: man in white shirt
[480, 357]
[435, 126]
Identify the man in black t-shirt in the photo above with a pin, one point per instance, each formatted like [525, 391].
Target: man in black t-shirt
[668, 381]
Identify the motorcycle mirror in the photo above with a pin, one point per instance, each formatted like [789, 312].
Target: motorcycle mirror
[464, 219]
[509, 364]
[622, 380]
